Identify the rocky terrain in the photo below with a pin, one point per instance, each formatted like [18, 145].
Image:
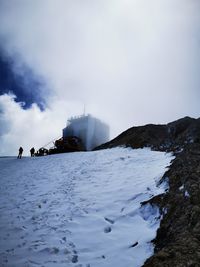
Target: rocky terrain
[178, 239]
[170, 137]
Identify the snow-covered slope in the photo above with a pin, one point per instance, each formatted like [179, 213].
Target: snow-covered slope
[79, 209]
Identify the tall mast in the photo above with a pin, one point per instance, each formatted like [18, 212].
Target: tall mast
[84, 110]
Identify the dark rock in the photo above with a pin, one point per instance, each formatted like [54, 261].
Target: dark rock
[162, 255]
[170, 137]
[179, 231]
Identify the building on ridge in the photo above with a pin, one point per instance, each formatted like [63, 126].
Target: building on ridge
[92, 131]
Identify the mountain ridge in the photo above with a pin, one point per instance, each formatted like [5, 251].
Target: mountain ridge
[161, 137]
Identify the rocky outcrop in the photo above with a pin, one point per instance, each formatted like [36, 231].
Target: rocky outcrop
[178, 239]
[177, 242]
[169, 137]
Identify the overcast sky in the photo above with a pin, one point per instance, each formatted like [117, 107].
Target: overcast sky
[130, 62]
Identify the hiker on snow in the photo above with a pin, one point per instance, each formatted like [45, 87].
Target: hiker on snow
[32, 151]
[20, 153]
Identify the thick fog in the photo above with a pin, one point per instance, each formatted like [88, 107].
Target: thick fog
[130, 62]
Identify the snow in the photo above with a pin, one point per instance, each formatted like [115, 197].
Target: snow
[80, 209]
[187, 194]
[181, 188]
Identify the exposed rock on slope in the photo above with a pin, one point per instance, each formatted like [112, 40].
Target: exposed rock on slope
[169, 137]
[178, 239]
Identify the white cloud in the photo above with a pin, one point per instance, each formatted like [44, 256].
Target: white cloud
[131, 62]
[31, 127]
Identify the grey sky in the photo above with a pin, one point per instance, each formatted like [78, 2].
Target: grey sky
[131, 62]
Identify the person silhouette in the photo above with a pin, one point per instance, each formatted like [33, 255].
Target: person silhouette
[20, 153]
[32, 151]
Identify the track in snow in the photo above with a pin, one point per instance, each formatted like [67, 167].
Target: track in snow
[79, 209]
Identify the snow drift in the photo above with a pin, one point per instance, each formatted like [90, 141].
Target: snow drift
[80, 209]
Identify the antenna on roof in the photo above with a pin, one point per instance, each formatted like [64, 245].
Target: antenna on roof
[84, 110]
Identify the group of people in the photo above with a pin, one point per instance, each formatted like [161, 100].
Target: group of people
[32, 152]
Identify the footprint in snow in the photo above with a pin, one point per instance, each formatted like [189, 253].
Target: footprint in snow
[109, 220]
[133, 245]
[74, 258]
[107, 229]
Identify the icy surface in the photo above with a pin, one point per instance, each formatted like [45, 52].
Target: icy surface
[79, 209]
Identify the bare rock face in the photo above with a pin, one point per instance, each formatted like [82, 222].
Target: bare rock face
[177, 242]
[169, 137]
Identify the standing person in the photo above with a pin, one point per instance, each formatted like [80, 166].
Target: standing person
[20, 153]
[32, 151]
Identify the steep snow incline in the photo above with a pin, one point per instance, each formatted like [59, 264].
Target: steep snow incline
[79, 209]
